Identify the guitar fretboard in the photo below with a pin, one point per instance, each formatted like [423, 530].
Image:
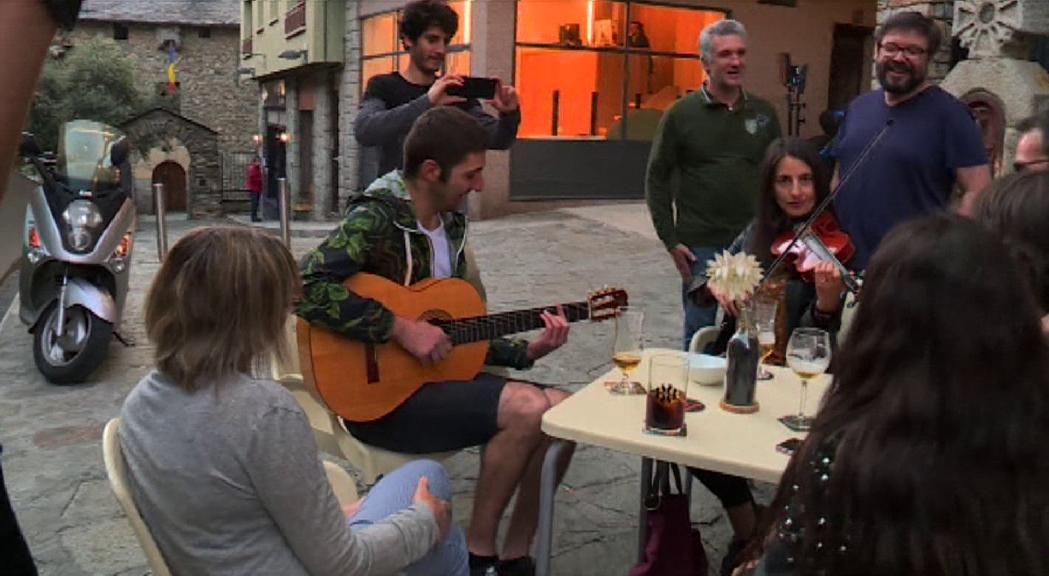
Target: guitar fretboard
[480, 328]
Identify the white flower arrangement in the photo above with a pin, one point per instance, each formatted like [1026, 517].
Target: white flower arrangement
[734, 275]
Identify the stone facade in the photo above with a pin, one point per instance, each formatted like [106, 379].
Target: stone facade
[349, 102]
[323, 148]
[209, 91]
[160, 136]
[942, 11]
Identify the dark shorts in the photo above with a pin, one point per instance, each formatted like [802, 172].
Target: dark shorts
[440, 417]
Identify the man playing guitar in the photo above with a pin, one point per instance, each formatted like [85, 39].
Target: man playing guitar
[406, 227]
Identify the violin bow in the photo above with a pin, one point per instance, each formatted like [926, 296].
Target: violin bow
[803, 231]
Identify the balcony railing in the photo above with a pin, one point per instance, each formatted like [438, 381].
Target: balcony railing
[295, 20]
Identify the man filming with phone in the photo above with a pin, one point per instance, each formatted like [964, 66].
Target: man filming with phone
[393, 101]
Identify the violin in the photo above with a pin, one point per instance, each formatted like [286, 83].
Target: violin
[823, 241]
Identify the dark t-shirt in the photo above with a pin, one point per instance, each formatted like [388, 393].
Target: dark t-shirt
[910, 172]
[391, 104]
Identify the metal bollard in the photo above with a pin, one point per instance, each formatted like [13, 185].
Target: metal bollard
[162, 229]
[284, 205]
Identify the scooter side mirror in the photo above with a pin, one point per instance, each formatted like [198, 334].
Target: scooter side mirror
[29, 147]
[118, 153]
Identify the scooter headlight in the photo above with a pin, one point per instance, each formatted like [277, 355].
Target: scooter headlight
[83, 219]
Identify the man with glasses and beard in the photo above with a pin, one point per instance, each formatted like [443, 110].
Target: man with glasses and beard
[929, 141]
[1032, 150]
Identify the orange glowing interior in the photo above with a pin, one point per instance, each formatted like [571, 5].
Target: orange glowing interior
[575, 70]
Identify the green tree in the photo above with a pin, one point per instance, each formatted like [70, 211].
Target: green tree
[94, 81]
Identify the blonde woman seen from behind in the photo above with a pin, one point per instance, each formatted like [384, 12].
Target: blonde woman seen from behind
[224, 467]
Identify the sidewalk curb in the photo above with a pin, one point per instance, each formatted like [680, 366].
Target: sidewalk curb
[274, 228]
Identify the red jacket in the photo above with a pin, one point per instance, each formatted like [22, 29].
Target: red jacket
[255, 178]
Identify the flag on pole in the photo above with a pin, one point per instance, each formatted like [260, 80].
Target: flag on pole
[172, 60]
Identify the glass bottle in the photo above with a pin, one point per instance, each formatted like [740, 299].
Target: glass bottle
[743, 357]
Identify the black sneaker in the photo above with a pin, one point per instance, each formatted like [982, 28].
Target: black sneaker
[484, 565]
[488, 570]
[733, 556]
[523, 566]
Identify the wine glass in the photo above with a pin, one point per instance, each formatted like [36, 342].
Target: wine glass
[765, 325]
[808, 355]
[626, 351]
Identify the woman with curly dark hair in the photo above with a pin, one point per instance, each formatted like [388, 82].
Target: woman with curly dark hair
[928, 456]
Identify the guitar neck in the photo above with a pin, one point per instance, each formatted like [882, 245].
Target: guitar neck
[482, 328]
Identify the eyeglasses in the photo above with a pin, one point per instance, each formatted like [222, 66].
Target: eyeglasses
[1022, 166]
[891, 50]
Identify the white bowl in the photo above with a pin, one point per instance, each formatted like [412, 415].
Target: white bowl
[706, 370]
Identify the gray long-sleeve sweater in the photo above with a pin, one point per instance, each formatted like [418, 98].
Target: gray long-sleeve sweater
[229, 481]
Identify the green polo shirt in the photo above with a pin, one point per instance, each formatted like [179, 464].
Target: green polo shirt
[716, 153]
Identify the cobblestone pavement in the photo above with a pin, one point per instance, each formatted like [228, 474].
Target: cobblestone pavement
[51, 435]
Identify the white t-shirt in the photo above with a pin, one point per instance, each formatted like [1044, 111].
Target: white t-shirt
[441, 267]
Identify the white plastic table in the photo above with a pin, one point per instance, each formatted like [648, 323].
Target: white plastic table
[739, 444]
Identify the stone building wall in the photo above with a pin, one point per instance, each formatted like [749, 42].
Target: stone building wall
[349, 102]
[159, 136]
[942, 11]
[209, 91]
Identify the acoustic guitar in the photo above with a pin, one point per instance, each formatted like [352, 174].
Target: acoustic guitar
[362, 381]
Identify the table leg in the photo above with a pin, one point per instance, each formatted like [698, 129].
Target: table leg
[642, 514]
[547, 491]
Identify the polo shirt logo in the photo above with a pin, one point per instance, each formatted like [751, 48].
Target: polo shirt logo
[759, 122]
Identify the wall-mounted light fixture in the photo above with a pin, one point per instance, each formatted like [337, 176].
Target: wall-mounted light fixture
[256, 138]
[284, 137]
[295, 55]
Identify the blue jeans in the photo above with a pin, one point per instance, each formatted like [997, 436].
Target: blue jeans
[696, 316]
[395, 493]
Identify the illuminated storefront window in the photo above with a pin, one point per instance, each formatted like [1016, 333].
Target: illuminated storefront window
[603, 69]
[382, 51]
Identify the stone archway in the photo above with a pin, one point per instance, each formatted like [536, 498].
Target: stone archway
[989, 112]
[160, 136]
[173, 177]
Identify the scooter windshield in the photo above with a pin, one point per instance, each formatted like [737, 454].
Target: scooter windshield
[85, 156]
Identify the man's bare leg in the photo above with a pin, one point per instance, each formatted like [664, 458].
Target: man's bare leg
[525, 518]
[503, 462]
[25, 33]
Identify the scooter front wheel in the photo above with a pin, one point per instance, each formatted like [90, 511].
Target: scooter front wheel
[71, 357]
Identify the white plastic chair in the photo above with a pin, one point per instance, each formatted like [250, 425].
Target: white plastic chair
[341, 483]
[329, 430]
[117, 473]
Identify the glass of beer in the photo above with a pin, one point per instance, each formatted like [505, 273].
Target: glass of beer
[808, 355]
[665, 400]
[626, 350]
[765, 326]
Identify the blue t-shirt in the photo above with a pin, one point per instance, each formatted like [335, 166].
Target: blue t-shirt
[910, 172]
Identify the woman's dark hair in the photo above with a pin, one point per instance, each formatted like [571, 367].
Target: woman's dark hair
[1016, 207]
[771, 220]
[420, 15]
[912, 22]
[937, 420]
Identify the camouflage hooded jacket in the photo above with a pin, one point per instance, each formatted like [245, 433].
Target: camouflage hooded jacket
[371, 238]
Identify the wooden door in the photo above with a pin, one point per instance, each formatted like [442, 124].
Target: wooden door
[173, 177]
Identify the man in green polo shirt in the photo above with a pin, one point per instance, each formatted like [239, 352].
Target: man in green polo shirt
[714, 139]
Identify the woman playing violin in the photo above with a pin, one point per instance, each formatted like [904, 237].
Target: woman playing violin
[793, 181]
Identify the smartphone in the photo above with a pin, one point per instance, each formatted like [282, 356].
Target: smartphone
[788, 446]
[475, 87]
